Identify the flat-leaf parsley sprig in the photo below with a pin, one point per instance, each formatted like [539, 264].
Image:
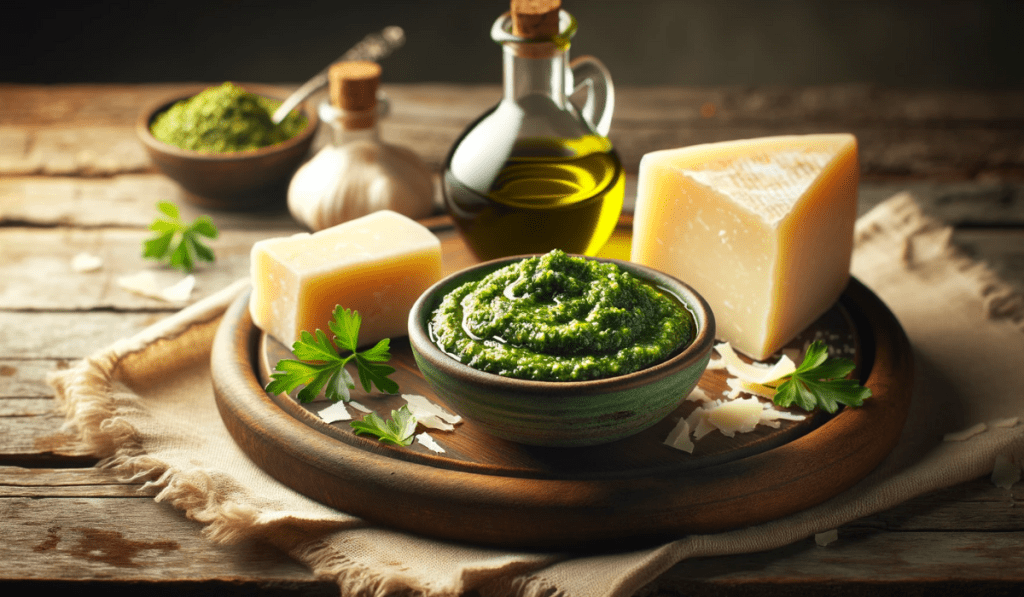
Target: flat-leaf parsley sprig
[178, 242]
[397, 430]
[320, 366]
[820, 382]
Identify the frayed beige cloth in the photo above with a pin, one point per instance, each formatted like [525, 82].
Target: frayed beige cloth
[146, 405]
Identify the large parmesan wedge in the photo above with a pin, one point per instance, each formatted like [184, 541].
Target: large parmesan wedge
[377, 265]
[762, 228]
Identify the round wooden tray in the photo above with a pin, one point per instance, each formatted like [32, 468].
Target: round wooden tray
[637, 490]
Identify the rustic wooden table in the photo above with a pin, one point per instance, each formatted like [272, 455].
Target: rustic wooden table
[74, 178]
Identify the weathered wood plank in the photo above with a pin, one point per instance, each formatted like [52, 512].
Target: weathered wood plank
[67, 335]
[125, 539]
[130, 199]
[862, 559]
[20, 482]
[38, 438]
[38, 274]
[24, 379]
[63, 130]
[125, 200]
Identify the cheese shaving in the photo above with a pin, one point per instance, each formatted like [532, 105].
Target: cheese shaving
[965, 434]
[144, 283]
[823, 539]
[359, 406]
[754, 373]
[429, 414]
[739, 386]
[734, 416]
[698, 395]
[85, 262]
[1005, 472]
[428, 442]
[335, 412]
[679, 437]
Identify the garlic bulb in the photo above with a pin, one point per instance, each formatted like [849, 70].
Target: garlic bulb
[344, 182]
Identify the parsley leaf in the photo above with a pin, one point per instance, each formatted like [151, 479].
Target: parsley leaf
[397, 430]
[321, 367]
[178, 242]
[819, 383]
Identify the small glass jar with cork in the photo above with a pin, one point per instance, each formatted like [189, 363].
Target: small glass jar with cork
[357, 173]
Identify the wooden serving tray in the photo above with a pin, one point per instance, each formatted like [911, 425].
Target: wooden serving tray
[637, 490]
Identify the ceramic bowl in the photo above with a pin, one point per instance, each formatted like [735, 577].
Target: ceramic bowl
[238, 180]
[545, 413]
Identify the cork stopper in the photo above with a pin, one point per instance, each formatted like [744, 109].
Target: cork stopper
[535, 19]
[353, 90]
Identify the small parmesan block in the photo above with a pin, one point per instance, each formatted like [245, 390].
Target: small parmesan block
[377, 265]
[762, 228]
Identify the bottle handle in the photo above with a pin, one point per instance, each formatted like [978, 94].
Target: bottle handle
[589, 72]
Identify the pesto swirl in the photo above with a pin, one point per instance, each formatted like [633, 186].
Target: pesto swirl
[560, 318]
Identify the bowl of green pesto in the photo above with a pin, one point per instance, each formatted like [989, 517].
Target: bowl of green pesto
[560, 349]
[220, 144]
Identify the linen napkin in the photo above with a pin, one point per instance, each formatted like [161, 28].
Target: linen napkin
[146, 406]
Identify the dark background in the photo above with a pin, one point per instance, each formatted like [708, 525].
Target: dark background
[905, 43]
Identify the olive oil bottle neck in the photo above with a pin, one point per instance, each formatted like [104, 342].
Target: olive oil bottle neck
[526, 75]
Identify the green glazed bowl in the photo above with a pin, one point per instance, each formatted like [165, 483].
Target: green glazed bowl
[544, 413]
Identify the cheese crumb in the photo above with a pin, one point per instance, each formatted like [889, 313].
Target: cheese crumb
[823, 539]
[144, 283]
[1005, 472]
[85, 262]
[335, 412]
[428, 442]
[965, 434]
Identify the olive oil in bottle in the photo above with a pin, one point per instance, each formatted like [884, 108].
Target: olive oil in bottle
[550, 193]
[534, 173]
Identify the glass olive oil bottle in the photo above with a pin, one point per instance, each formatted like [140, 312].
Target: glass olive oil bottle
[533, 173]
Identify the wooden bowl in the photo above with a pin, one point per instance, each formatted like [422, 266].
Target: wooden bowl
[543, 413]
[238, 180]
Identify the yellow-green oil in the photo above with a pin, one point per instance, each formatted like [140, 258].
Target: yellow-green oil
[549, 194]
